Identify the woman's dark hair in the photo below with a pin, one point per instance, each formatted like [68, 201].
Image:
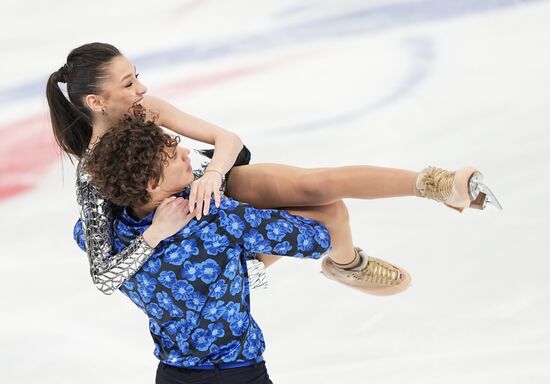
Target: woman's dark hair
[128, 157]
[83, 72]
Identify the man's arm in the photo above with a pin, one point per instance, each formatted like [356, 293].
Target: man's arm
[273, 231]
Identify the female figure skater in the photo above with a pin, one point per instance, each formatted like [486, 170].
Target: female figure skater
[103, 85]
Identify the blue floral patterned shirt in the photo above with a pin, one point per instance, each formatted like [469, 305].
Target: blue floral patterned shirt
[194, 288]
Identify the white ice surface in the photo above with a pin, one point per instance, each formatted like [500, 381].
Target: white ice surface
[391, 83]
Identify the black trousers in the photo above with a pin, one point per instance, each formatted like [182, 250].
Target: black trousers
[252, 374]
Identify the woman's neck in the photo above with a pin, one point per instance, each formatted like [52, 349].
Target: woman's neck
[99, 128]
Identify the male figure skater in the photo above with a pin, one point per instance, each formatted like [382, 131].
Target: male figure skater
[194, 288]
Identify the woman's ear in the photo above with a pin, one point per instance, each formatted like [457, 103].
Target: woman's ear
[95, 103]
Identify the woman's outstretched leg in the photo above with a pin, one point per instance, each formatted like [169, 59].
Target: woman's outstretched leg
[275, 185]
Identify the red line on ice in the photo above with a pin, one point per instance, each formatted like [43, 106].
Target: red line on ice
[27, 149]
[27, 146]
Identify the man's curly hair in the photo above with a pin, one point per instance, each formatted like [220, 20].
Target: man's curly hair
[128, 157]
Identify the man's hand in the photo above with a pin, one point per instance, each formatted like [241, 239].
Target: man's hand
[170, 217]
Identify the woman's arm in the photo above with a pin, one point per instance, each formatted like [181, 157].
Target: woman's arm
[108, 271]
[227, 144]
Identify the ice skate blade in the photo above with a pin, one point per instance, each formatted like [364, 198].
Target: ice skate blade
[480, 193]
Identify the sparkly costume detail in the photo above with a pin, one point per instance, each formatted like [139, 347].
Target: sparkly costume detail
[257, 276]
[458, 190]
[435, 183]
[109, 271]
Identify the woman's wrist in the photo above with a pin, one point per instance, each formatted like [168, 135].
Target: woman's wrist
[215, 171]
[151, 237]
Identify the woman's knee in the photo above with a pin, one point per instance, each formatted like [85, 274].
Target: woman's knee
[335, 213]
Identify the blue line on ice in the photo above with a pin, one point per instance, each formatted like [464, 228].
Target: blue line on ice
[351, 22]
[422, 59]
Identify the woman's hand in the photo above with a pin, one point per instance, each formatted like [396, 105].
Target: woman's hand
[201, 192]
[171, 216]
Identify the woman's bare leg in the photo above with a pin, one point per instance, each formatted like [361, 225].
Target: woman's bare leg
[335, 217]
[268, 260]
[275, 185]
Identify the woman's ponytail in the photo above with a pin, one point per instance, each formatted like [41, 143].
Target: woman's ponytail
[71, 128]
[71, 118]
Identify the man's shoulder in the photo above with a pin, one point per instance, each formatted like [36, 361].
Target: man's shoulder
[230, 206]
[227, 204]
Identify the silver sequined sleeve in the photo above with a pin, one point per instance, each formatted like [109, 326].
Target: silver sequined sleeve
[109, 271]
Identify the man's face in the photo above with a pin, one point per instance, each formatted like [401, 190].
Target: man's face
[177, 172]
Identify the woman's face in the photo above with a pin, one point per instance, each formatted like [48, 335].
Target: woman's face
[121, 88]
